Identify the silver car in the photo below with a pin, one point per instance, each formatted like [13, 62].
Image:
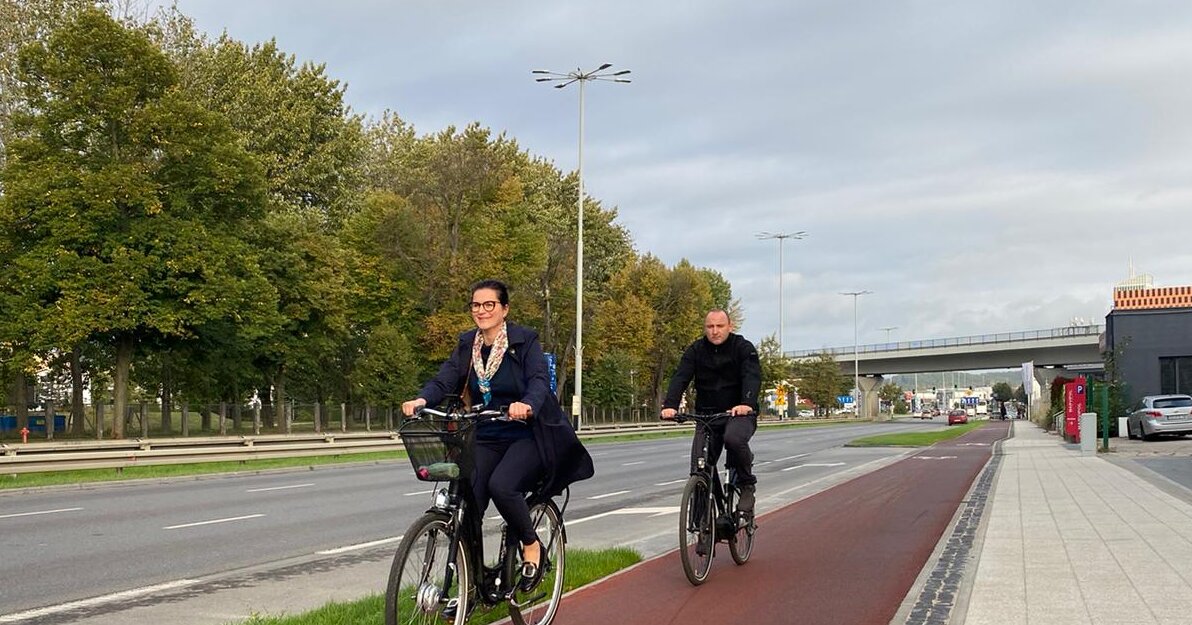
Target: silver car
[1160, 414]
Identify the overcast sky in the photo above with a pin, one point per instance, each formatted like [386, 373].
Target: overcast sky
[980, 166]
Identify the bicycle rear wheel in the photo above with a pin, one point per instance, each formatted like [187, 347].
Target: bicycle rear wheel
[539, 605]
[741, 543]
[697, 529]
[415, 591]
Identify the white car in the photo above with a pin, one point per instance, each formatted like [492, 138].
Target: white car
[1160, 414]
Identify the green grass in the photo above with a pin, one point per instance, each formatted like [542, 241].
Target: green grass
[584, 566]
[57, 478]
[915, 439]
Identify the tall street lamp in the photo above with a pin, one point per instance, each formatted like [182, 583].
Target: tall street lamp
[782, 236]
[856, 360]
[888, 329]
[563, 80]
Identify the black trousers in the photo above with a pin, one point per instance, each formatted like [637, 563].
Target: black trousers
[505, 471]
[733, 435]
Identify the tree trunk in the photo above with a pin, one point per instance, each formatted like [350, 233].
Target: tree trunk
[167, 397]
[120, 383]
[76, 392]
[20, 396]
[279, 387]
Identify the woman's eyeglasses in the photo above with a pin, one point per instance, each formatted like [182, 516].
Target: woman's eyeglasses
[488, 306]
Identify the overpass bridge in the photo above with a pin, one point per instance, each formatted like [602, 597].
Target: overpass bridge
[1055, 347]
[1052, 350]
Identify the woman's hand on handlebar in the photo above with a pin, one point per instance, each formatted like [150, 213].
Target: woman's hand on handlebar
[412, 406]
[667, 414]
[520, 411]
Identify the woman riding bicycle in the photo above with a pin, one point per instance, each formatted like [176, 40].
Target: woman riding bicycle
[500, 364]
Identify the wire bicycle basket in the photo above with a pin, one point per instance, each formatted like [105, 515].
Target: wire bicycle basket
[440, 450]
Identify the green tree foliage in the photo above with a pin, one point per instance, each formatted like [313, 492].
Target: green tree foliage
[776, 368]
[123, 199]
[1002, 391]
[821, 381]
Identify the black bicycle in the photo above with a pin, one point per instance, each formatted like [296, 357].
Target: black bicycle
[439, 572]
[708, 514]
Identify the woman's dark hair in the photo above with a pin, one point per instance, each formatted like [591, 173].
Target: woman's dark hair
[496, 285]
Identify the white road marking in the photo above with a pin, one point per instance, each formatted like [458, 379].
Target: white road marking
[620, 492]
[261, 490]
[421, 492]
[629, 464]
[792, 457]
[17, 617]
[650, 511]
[670, 482]
[758, 464]
[973, 445]
[213, 521]
[779, 495]
[9, 516]
[371, 543]
[815, 464]
[934, 457]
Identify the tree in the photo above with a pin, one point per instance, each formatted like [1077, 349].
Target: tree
[891, 394]
[124, 201]
[821, 381]
[1020, 394]
[1002, 392]
[776, 368]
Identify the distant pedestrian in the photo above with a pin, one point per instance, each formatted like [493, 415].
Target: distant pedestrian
[1003, 411]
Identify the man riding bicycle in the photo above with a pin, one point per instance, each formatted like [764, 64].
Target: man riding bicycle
[727, 377]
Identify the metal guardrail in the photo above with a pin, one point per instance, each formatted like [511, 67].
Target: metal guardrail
[117, 454]
[959, 341]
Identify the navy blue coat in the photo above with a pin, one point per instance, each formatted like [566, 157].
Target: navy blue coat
[564, 456]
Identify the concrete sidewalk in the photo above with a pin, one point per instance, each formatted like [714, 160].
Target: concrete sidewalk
[1073, 538]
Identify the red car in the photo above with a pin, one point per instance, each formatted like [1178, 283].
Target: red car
[957, 415]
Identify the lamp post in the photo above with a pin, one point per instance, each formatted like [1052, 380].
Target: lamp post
[783, 236]
[856, 360]
[563, 80]
[888, 329]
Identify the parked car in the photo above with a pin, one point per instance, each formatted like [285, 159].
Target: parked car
[926, 414]
[957, 415]
[1160, 414]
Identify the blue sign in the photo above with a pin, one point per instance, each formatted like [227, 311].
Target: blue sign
[551, 370]
[845, 399]
[970, 401]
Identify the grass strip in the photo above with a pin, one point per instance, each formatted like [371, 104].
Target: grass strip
[584, 566]
[58, 478]
[915, 439]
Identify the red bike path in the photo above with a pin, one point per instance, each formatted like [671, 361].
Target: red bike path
[847, 555]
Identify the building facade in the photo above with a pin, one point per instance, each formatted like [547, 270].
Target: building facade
[1149, 334]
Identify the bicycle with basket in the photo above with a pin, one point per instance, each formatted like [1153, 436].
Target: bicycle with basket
[439, 572]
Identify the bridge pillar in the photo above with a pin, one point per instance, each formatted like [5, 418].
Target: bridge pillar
[869, 398]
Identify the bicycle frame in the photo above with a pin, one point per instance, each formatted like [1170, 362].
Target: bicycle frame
[723, 493]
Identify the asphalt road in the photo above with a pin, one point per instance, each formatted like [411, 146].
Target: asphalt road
[59, 546]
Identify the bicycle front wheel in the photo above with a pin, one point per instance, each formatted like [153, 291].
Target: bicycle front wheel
[538, 605]
[425, 588]
[697, 529]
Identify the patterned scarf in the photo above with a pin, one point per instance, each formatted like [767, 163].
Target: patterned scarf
[486, 371]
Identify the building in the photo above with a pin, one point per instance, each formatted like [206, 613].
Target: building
[1148, 334]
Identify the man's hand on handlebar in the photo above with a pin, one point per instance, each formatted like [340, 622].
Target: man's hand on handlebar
[740, 411]
[668, 414]
[412, 406]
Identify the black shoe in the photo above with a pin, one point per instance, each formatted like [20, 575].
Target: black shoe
[745, 503]
[701, 545]
[531, 574]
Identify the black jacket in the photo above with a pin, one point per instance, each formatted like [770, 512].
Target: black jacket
[725, 375]
[564, 456]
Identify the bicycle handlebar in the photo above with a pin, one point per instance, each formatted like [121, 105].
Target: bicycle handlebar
[471, 415]
[681, 417]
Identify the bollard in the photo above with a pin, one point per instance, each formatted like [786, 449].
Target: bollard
[1088, 433]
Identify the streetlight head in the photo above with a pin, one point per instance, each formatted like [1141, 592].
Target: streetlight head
[622, 80]
[621, 73]
[539, 71]
[604, 67]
